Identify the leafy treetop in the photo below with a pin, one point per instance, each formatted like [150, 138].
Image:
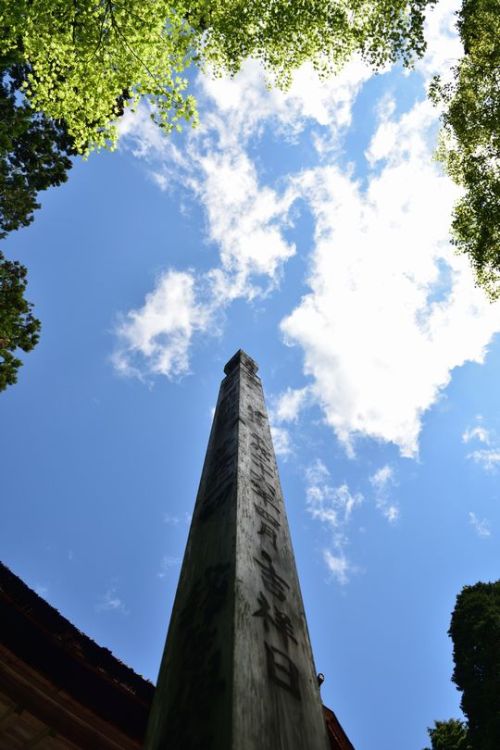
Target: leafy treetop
[88, 56]
[470, 145]
[449, 735]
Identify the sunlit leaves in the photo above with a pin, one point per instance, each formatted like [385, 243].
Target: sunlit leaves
[90, 58]
[87, 58]
[470, 145]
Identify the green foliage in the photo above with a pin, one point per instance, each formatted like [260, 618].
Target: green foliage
[18, 328]
[88, 58]
[33, 152]
[448, 735]
[285, 34]
[470, 146]
[475, 630]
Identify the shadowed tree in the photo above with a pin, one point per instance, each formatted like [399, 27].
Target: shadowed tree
[475, 631]
[34, 152]
[449, 735]
[19, 329]
[34, 155]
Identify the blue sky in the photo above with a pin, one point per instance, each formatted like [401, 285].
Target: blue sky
[311, 230]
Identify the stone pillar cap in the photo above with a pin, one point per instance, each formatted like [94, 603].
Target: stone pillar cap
[242, 358]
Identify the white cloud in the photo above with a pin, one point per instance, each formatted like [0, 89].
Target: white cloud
[443, 44]
[391, 309]
[289, 404]
[481, 527]
[382, 481]
[338, 565]
[382, 477]
[285, 408]
[487, 458]
[246, 219]
[476, 433]
[281, 441]
[246, 101]
[156, 337]
[333, 507]
[111, 602]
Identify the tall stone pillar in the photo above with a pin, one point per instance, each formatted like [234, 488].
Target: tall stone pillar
[237, 671]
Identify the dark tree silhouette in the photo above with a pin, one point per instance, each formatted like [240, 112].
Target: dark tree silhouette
[34, 152]
[475, 631]
[19, 329]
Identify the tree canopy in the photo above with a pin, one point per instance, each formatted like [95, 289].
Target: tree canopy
[34, 152]
[34, 155]
[470, 145]
[88, 57]
[19, 329]
[449, 735]
[475, 631]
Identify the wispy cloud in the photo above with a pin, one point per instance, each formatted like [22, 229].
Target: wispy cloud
[333, 507]
[175, 520]
[281, 441]
[480, 526]
[338, 565]
[111, 602]
[382, 482]
[476, 433]
[285, 408]
[488, 457]
[167, 563]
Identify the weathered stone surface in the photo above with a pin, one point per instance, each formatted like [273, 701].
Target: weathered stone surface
[237, 672]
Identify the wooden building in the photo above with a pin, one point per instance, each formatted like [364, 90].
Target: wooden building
[59, 690]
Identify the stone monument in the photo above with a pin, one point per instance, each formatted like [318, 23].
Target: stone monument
[237, 672]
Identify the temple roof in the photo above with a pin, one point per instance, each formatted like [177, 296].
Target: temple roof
[52, 671]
